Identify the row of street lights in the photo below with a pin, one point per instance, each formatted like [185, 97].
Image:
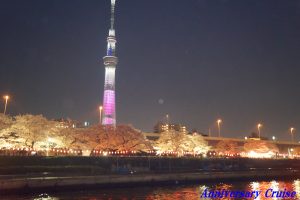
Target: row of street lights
[219, 121]
[7, 97]
[259, 126]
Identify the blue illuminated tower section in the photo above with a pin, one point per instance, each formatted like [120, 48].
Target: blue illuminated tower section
[110, 62]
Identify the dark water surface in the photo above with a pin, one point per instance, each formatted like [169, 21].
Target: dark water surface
[177, 192]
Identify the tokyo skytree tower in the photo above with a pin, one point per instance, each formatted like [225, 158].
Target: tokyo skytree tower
[110, 62]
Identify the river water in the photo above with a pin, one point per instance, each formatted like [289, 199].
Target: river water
[174, 192]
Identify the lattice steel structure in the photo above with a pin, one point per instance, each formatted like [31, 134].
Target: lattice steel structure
[110, 62]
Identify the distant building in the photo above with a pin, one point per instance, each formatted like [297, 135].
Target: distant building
[69, 123]
[254, 136]
[161, 127]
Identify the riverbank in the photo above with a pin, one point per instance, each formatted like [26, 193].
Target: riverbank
[21, 173]
[69, 166]
[11, 184]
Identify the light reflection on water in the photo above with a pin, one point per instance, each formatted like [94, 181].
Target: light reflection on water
[189, 192]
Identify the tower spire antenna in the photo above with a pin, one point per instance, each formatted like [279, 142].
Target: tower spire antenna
[112, 17]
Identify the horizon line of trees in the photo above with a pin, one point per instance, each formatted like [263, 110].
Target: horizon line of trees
[37, 132]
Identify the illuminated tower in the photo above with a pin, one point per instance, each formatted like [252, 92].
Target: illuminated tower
[110, 62]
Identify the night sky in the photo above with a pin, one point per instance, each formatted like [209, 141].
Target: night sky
[197, 60]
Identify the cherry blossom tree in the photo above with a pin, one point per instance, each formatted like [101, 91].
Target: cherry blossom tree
[5, 121]
[7, 139]
[260, 149]
[37, 132]
[227, 147]
[32, 131]
[106, 138]
[180, 142]
[124, 137]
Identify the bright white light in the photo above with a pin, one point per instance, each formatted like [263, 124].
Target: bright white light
[253, 154]
[296, 187]
[275, 187]
[255, 187]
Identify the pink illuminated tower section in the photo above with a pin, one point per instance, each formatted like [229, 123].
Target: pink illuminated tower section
[110, 62]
